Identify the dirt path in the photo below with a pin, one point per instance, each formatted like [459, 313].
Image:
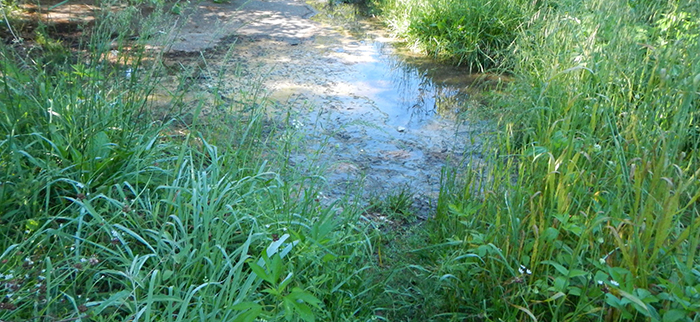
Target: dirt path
[282, 20]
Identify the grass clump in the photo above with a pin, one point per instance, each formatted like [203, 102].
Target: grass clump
[476, 34]
[589, 208]
[396, 206]
[111, 214]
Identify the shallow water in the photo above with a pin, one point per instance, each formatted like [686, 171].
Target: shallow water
[387, 123]
[374, 117]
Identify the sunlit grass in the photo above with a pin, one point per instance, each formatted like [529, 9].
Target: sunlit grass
[476, 34]
[588, 208]
[114, 211]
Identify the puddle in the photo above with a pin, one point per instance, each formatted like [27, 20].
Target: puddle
[374, 118]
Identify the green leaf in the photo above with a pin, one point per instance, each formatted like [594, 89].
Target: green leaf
[245, 306]
[639, 305]
[57, 5]
[575, 291]
[554, 297]
[535, 151]
[550, 234]
[275, 268]
[674, 315]
[561, 269]
[99, 145]
[467, 210]
[167, 274]
[260, 272]
[288, 304]
[328, 257]
[645, 295]
[561, 283]
[272, 291]
[165, 298]
[135, 236]
[116, 300]
[252, 313]
[31, 225]
[275, 245]
[286, 281]
[613, 301]
[299, 294]
[304, 311]
[526, 311]
[577, 273]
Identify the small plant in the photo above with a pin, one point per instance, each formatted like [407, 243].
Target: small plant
[293, 302]
[396, 206]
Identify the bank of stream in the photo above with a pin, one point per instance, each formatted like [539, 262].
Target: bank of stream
[376, 119]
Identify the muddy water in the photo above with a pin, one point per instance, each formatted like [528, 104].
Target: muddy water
[375, 119]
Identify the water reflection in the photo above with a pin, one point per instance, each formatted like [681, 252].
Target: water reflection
[404, 91]
[410, 89]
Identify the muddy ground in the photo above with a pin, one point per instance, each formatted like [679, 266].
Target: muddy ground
[367, 113]
[372, 120]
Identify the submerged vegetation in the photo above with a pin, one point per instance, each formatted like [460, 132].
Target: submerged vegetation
[116, 206]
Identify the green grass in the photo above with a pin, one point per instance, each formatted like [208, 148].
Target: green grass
[587, 208]
[110, 213]
[472, 33]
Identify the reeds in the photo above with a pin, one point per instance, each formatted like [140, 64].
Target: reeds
[594, 186]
